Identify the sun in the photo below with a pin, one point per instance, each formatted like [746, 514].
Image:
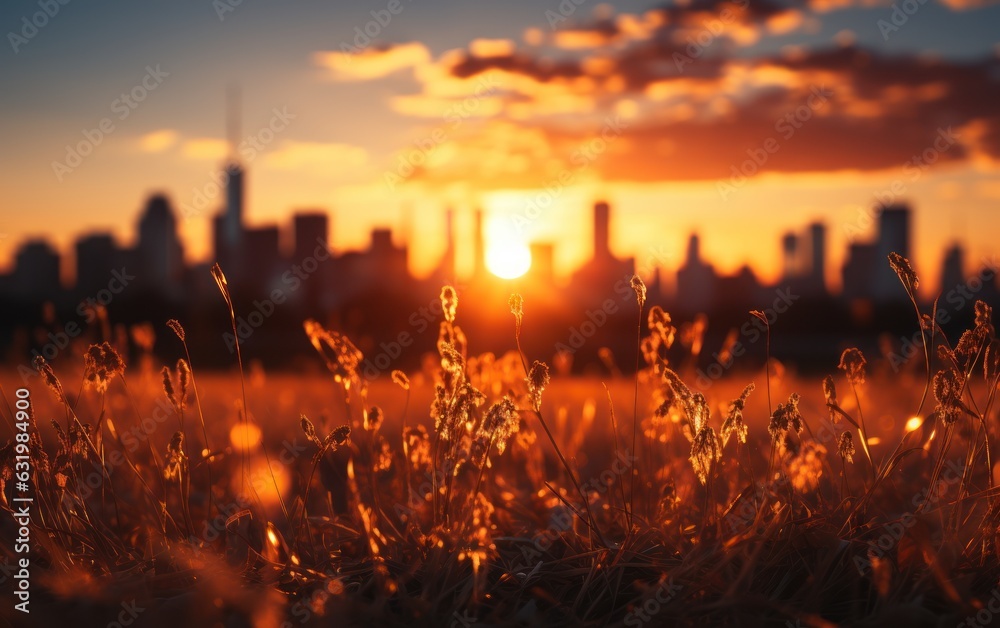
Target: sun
[508, 260]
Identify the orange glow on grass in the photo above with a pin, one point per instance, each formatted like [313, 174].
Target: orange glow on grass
[914, 424]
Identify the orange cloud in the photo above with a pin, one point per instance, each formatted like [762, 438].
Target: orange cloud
[316, 157]
[158, 141]
[372, 62]
[208, 148]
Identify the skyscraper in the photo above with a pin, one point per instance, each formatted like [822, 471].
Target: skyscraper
[97, 255]
[311, 229]
[817, 253]
[953, 268]
[790, 256]
[695, 280]
[893, 237]
[159, 252]
[479, 245]
[36, 270]
[602, 230]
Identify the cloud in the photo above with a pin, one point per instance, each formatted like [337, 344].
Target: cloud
[209, 148]
[697, 100]
[372, 62]
[316, 157]
[158, 141]
[880, 112]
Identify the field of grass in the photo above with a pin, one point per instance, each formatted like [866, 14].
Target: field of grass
[485, 492]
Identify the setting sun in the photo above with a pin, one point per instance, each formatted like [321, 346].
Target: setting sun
[508, 260]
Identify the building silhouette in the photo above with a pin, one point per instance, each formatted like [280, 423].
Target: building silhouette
[602, 272]
[893, 237]
[816, 285]
[36, 271]
[97, 255]
[953, 268]
[159, 252]
[695, 280]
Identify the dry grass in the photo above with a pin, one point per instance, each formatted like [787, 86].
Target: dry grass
[515, 499]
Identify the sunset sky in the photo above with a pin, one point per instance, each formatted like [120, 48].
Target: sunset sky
[652, 107]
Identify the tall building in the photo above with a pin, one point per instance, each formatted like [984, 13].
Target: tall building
[953, 268]
[234, 204]
[790, 256]
[310, 229]
[159, 253]
[817, 254]
[479, 245]
[228, 224]
[603, 270]
[602, 231]
[36, 270]
[893, 237]
[261, 257]
[857, 271]
[97, 255]
[695, 280]
[446, 269]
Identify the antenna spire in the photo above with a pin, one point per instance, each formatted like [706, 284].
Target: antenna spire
[233, 119]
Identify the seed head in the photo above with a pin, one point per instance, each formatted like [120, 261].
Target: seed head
[661, 326]
[400, 379]
[853, 363]
[449, 303]
[175, 325]
[516, 303]
[101, 364]
[705, 451]
[337, 438]
[786, 419]
[309, 429]
[734, 425]
[984, 315]
[829, 390]
[176, 461]
[50, 378]
[905, 272]
[373, 419]
[451, 360]
[220, 281]
[640, 290]
[948, 386]
[168, 386]
[845, 447]
[501, 423]
[183, 380]
[538, 378]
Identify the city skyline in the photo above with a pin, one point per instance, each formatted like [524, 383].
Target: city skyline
[159, 250]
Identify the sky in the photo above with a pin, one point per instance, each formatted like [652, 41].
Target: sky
[740, 120]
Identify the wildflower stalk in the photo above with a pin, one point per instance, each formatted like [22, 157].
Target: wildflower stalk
[179, 331]
[569, 470]
[223, 284]
[640, 296]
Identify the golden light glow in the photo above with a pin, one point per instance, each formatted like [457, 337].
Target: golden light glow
[914, 424]
[508, 260]
[245, 435]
